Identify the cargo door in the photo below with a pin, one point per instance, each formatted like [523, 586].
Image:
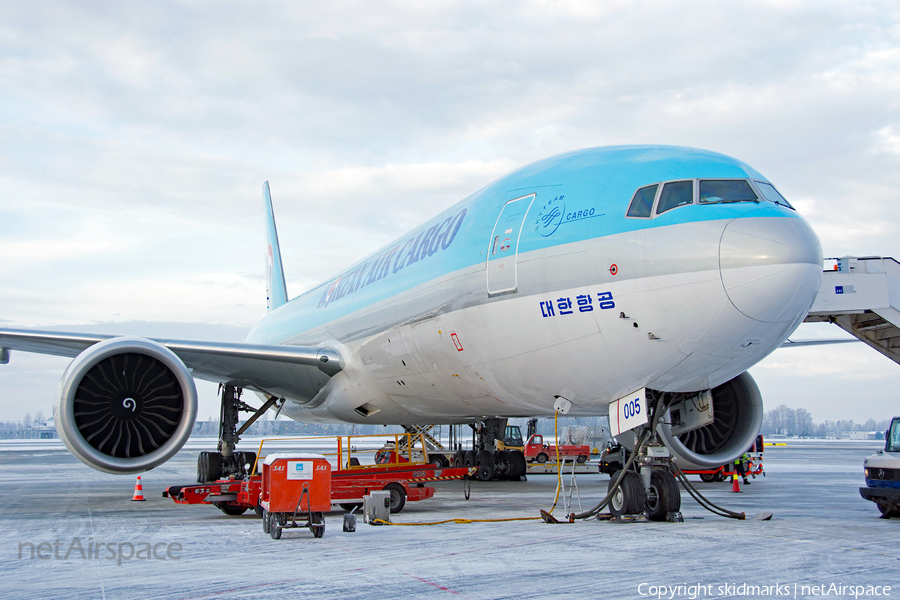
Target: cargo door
[504, 246]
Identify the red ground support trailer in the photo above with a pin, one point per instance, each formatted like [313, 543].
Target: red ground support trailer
[752, 468]
[404, 476]
[295, 485]
[537, 450]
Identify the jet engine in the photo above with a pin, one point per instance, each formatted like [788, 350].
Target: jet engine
[737, 417]
[126, 405]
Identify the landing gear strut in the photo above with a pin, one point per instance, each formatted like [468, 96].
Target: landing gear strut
[493, 463]
[226, 462]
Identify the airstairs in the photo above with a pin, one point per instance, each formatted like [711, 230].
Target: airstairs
[431, 434]
[862, 297]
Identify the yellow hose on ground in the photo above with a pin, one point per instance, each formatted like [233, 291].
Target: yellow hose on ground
[459, 521]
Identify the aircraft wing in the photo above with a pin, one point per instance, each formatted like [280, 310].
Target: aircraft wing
[789, 343]
[278, 370]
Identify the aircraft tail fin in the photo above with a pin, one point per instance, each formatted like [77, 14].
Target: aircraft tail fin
[276, 289]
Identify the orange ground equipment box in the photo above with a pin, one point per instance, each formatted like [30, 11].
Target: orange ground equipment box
[295, 485]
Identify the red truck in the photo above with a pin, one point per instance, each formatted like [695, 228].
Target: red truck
[537, 450]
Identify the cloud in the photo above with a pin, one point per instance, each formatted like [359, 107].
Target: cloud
[136, 136]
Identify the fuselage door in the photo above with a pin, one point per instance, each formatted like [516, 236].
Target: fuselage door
[504, 246]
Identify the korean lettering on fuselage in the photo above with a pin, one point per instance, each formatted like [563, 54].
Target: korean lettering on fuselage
[583, 303]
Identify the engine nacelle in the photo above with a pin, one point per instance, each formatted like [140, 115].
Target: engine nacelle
[737, 418]
[126, 405]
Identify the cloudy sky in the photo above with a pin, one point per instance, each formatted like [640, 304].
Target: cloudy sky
[135, 137]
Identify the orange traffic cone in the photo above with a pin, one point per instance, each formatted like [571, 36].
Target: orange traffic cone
[138, 491]
[735, 486]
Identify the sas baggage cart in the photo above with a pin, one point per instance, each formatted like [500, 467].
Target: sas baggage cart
[295, 485]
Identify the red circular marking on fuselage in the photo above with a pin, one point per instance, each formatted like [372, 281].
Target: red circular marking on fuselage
[613, 269]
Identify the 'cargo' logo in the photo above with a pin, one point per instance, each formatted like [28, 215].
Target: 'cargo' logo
[426, 244]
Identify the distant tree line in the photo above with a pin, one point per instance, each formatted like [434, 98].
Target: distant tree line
[28, 428]
[778, 421]
[798, 422]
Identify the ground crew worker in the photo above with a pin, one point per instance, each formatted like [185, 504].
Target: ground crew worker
[740, 465]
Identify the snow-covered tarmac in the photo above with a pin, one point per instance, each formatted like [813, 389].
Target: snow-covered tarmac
[822, 533]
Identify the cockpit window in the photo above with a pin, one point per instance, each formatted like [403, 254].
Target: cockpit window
[771, 194]
[726, 190]
[642, 202]
[675, 194]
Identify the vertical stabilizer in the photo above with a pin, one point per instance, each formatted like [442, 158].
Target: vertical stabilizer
[275, 287]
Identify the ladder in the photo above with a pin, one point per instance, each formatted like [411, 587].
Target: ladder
[431, 434]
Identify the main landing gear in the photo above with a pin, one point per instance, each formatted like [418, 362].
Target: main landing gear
[490, 462]
[225, 462]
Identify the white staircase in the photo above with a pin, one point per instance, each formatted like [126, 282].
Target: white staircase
[862, 297]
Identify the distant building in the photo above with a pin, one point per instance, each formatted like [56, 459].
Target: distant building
[43, 430]
[863, 435]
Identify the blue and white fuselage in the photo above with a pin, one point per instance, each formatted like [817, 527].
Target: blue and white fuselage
[589, 274]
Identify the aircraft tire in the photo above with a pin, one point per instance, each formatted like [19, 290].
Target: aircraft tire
[629, 499]
[485, 464]
[517, 466]
[664, 497]
[502, 468]
[245, 458]
[459, 459]
[638, 495]
[470, 458]
[209, 466]
[440, 461]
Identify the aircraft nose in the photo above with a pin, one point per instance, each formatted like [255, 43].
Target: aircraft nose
[771, 266]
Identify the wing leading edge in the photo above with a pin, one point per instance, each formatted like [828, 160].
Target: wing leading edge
[281, 371]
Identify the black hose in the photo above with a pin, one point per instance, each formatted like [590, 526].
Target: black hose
[596, 509]
[694, 493]
[702, 500]
[658, 410]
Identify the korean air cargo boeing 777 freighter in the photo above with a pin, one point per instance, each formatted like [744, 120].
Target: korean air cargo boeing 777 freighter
[657, 272]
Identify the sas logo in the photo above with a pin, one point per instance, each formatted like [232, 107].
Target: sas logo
[300, 469]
